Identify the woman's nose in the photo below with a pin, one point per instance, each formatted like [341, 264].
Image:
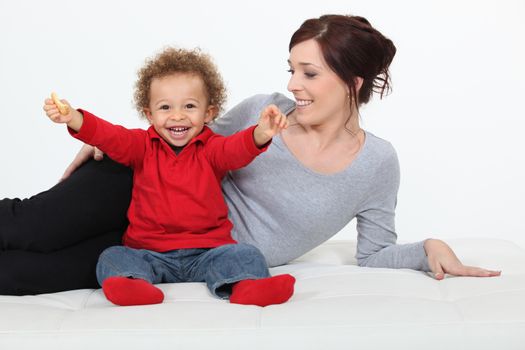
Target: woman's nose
[293, 84]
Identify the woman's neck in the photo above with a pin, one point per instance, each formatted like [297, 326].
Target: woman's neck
[324, 136]
[324, 149]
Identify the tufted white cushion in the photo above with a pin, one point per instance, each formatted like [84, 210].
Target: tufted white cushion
[337, 305]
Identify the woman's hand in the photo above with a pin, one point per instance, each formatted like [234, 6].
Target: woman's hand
[442, 259]
[85, 153]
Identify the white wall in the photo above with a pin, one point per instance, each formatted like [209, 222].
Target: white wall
[455, 115]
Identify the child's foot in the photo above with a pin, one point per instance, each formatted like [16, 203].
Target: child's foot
[128, 291]
[263, 292]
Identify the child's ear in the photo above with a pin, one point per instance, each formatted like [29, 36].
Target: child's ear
[211, 113]
[147, 113]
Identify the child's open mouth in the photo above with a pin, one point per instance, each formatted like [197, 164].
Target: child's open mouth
[179, 131]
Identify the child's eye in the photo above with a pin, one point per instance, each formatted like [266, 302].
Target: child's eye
[190, 105]
[164, 107]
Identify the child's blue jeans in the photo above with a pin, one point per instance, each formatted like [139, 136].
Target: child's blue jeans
[218, 267]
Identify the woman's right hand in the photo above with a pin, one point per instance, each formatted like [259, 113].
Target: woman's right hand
[85, 153]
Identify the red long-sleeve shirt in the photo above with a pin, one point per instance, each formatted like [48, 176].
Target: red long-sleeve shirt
[177, 200]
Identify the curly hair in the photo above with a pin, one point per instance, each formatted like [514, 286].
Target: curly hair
[175, 60]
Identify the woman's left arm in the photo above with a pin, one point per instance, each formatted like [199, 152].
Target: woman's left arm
[376, 244]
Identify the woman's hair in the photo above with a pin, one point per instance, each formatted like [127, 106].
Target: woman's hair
[172, 61]
[352, 48]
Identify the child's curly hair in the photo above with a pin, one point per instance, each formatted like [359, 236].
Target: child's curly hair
[173, 60]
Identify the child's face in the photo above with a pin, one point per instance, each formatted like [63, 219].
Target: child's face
[178, 107]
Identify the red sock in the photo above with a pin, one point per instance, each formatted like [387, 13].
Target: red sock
[263, 292]
[128, 291]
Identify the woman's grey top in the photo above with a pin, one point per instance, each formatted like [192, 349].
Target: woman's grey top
[285, 209]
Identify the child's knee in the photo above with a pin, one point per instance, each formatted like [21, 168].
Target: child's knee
[112, 252]
[250, 252]
[246, 257]
[109, 262]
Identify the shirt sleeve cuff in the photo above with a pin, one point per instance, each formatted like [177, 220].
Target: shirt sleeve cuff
[420, 251]
[249, 142]
[87, 130]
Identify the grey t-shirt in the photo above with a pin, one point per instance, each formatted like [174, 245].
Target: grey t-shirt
[285, 209]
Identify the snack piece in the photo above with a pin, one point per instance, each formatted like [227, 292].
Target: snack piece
[62, 108]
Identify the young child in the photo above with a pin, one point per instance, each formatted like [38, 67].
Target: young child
[178, 220]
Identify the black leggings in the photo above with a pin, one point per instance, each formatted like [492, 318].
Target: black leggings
[51, 241]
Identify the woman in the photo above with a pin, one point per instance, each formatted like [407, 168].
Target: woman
[332, 171]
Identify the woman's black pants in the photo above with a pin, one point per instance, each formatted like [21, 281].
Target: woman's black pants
[51, 241]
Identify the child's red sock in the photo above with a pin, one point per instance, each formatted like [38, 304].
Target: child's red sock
[128, 291]
[263, 292]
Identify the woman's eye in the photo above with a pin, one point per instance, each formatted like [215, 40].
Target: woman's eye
[308, 75]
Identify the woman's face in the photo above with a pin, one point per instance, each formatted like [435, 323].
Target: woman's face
[321, 96]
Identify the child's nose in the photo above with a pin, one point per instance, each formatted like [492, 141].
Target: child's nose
[178, 116]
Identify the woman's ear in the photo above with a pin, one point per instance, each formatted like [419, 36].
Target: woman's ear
[211, 113]
[358, 83]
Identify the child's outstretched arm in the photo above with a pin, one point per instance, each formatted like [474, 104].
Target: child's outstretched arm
[60, 111]
[238, 150]
[271, 122]
[125, 146]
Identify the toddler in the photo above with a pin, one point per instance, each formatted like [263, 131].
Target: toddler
[179, 229]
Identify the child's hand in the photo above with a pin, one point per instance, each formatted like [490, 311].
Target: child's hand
[60, 111]
[62, 115]
[271, 122]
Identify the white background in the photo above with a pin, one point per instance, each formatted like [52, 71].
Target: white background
[455, 115]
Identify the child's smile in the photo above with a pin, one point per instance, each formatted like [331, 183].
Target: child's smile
[178, 133]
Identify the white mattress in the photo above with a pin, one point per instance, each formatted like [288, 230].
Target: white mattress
[337, 305]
